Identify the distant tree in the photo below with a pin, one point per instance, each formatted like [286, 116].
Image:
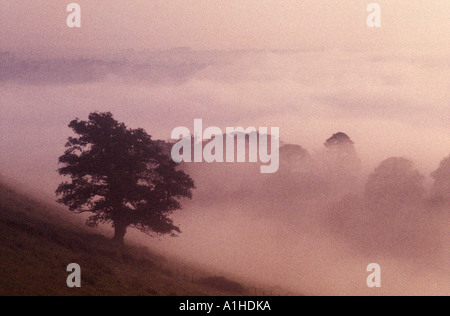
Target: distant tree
[441, 187]
[340, 165]
[293, 157]
[339, 140]
[122, 176]
[395, 183]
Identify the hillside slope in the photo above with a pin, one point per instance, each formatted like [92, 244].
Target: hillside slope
[36, 245]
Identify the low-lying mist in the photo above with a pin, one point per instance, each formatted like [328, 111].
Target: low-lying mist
[315, 226]
[331, 210]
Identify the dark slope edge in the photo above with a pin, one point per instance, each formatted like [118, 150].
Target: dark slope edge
[37, 242]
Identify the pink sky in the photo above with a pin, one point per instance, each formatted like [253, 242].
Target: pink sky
[217, 24]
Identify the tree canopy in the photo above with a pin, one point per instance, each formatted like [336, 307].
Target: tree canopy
[121, 176]
[395, 182]
[339, 139]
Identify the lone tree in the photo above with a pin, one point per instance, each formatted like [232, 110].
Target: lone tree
[122, 176]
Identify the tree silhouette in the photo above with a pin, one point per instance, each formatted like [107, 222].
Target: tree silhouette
[340, 165]
[121, 176]
[339, 140]
[395, 183]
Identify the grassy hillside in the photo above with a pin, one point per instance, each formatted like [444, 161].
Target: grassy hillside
[36, 245]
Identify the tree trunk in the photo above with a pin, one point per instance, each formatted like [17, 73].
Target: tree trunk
[120, 230]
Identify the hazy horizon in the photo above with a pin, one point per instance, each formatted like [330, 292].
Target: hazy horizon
[388, 103]
[216, 25]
